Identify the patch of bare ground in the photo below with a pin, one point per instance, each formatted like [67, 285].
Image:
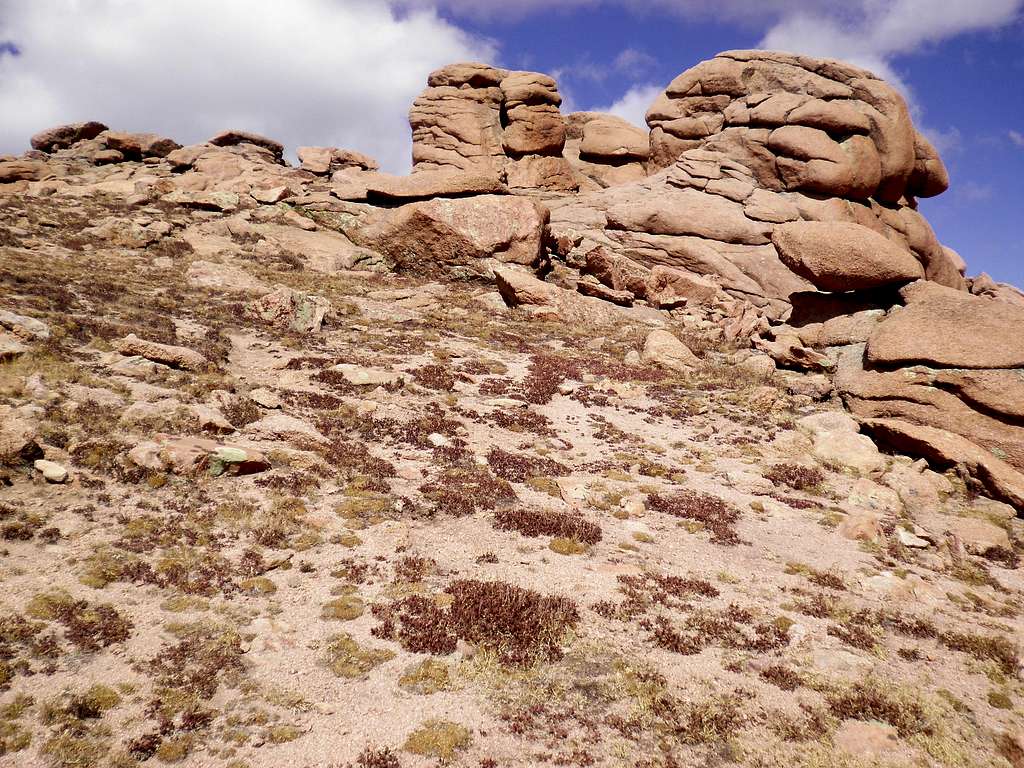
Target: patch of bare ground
[520, 550]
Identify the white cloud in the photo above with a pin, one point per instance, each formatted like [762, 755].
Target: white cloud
[945, 142]
[974, 192]
[634, 103]
[634, 62]
[870, 33]
[303, 72]
[1017, 138]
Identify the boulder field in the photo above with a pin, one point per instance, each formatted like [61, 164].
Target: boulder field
[582, 443]
[773, 199]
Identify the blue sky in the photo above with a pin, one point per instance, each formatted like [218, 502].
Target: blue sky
[344, 72]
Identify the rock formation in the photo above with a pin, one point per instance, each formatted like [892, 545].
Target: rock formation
[771, 202]
[574, 434]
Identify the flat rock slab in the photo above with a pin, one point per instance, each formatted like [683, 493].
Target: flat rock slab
[946, 450]
[949, 329]
[165, 354]
[369, 377]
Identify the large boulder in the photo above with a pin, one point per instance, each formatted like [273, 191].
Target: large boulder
[663, 348]
[324, 161]
[429, 184]
[523, 291]
[474, 117]
[66, 136]
[165, 354]
[945, 449]
[231, 138]
[986, 407]
[456, 121]
[949, 329]
[812, 125]
[445, 234]
[840, 256]
[22, 170]
[607, 138]
[136, 146]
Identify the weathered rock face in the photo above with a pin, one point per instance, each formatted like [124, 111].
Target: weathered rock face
[233, 138]
[946, 361]
[842, 256]
[457, 236]
[950, 329]
[324, 161]
[473, 117]
[605, 150]
[810, 125]
[65, 136]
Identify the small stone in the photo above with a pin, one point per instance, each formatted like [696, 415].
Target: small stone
[866, 738]
[368, 377]
[265, 398]
[52, 471]
[908, 539]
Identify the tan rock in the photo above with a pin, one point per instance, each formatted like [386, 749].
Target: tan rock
[319, 250]
[362, 376]
[66, 136]
[28, 328]
[688, 212]
[838, 256]
[668, 286]
[10, 347]
[983, 406]
[232, 138]
[788, 351]
[456, 122]
[520, 289]
[166, 354]
[734, 101]
[435, 236]
[135, 146]
[978, 536]
[51, 471]
[836, 442]
[946, 450]
[929, 177]
[537, 130]
[324, 161]
[285, 306]
[664, 349]
[429, 184]
[541, 172]
[188, 455]
[617, 272]
[18, 435]
[22, 170]
[861, 526]
[948, 328]
[607, 137]
[222, 201]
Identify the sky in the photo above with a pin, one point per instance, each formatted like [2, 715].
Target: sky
[344, 73]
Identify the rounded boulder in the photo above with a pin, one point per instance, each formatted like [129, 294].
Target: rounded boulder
[842, 256]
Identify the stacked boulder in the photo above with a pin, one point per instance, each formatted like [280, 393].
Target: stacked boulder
[473, 117]
[605, 150]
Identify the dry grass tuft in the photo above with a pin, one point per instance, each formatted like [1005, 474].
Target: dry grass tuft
[520, 625]
[543, 522]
